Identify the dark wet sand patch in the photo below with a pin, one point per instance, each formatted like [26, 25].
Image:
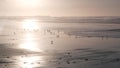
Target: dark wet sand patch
[115, 30]
[94, 56]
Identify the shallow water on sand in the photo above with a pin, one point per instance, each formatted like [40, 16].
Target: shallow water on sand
[31, 43]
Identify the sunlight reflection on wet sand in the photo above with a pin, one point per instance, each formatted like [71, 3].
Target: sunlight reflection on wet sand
[30, 62]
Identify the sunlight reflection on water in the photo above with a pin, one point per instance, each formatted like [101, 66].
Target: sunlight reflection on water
[29, 42]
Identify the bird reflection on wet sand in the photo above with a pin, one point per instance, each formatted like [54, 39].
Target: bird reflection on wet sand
[31, 43]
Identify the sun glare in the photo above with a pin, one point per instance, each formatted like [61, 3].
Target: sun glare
[31, 46]
[29, 3]
[29, 43]
[30, 24]
[29, 37]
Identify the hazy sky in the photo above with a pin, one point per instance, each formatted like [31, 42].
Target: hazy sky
[60, 7]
